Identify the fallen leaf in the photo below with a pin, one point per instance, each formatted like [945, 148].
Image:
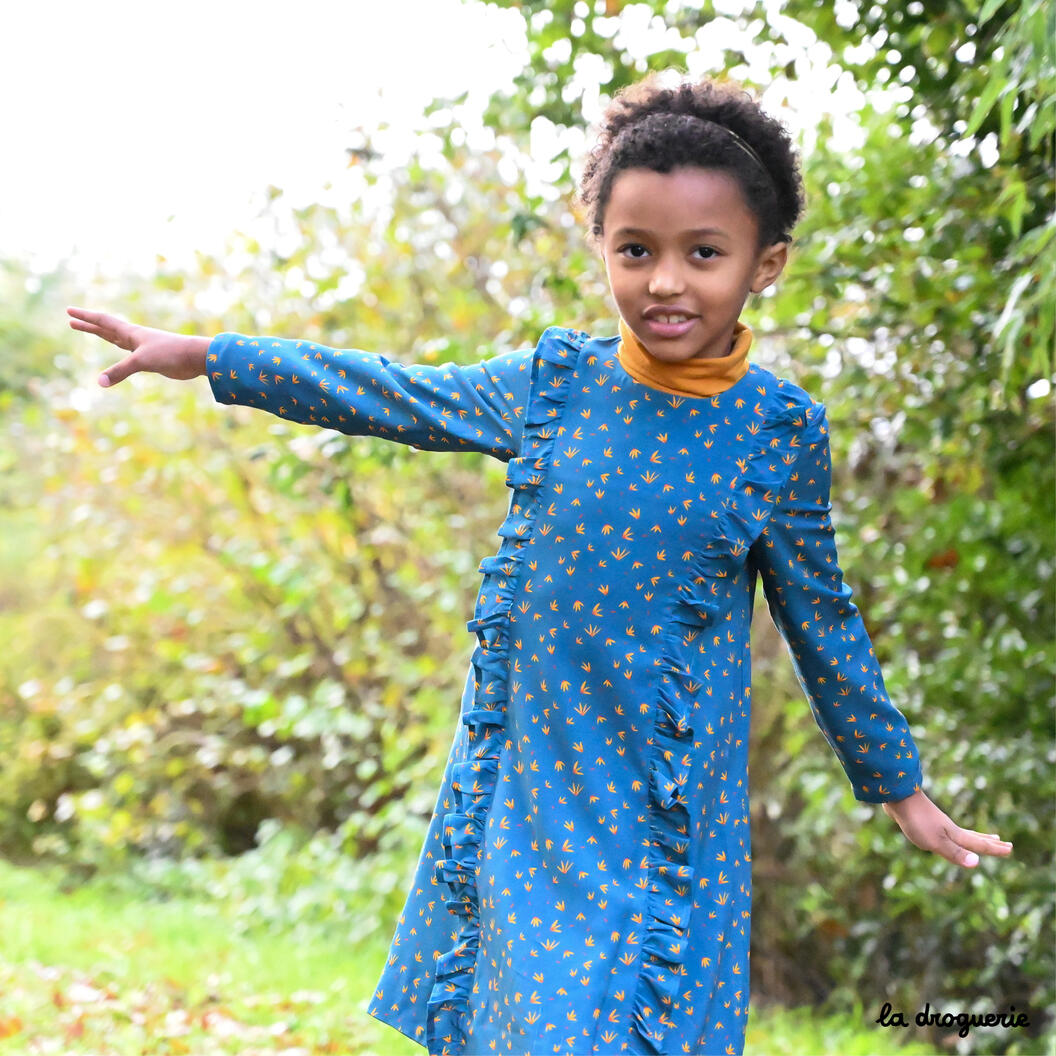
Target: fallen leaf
[10, 1026]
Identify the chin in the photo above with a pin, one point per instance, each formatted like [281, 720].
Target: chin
[670, 356]
[670, 352]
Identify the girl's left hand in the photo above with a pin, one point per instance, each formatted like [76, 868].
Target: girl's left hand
[931, 830]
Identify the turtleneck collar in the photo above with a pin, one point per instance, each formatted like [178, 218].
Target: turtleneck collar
[691, 377]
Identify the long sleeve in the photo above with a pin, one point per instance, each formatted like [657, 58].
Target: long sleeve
[831, 651]
[476, 407]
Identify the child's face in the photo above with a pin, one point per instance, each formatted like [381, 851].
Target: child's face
[683, 241]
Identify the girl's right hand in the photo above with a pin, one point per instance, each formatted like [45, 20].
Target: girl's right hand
[176, 356]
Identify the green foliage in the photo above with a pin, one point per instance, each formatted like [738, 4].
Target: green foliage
[293, 881]
[976, 75]
[30, 306]
[231, 635]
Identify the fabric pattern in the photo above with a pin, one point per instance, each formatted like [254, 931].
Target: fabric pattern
[585, 881]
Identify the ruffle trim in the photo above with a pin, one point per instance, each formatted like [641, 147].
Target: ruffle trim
[742, 515]
[474, 780]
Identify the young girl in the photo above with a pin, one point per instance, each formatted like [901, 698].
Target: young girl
[585, 884]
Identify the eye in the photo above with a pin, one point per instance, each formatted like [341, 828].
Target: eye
[633, 246]
[710, 253]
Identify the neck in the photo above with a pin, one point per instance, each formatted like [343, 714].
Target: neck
[691, 377]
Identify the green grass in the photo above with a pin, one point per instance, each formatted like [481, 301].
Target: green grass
[802, 1032]
[98, 970]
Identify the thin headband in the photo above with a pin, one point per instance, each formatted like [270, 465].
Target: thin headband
[746, 147]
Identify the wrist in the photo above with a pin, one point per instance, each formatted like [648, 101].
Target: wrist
[908, 801]
[196, 350]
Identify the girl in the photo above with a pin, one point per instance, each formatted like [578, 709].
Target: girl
[585, 884]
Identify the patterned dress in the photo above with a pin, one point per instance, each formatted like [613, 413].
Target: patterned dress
[585, 882]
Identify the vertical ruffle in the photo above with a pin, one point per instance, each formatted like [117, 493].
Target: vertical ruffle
[475, 779]
[669, 881]
[742, 515]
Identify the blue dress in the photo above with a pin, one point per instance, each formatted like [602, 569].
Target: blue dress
[585, 882]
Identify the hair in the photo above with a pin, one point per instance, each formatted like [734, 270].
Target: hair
[715, 125]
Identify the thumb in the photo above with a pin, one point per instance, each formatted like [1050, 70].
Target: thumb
[118, 372]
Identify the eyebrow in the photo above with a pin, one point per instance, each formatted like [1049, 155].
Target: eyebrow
[696, 231]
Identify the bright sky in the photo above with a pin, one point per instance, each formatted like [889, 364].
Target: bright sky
[135, 129]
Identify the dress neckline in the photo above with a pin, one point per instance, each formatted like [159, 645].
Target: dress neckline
[692, 377]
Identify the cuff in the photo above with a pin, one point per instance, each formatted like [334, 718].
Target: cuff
[218, 365]
[889, 792]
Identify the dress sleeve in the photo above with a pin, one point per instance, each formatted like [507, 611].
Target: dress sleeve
[831, 651]
[451, 407]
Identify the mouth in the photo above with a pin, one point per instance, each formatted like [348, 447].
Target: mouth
[669, 324]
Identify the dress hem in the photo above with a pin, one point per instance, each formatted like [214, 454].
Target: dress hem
[382, 1017]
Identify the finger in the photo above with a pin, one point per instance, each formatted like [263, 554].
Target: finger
[993, 847]
[963, 847]
[954, 852]
[992, 837]
[983, 841]
[83, 319]
[118, 372]
[109, 327]
[88, 328]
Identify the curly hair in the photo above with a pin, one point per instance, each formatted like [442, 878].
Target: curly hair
[716, 125]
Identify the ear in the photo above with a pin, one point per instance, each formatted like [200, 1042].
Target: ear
[770, 264]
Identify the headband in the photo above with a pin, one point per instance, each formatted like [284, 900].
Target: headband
[746, 147]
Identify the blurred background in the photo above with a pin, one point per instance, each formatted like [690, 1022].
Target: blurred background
[234, 647]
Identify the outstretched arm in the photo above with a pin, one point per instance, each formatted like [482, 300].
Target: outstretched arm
[837, 667]
[476, 407]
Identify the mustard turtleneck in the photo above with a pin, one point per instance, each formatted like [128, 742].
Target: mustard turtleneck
[691, 377]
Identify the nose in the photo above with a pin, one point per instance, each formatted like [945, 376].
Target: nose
[666, 279]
